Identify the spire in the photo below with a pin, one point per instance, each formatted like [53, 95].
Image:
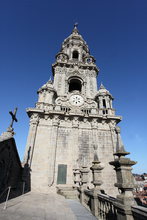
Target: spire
[120, 151]
[50, 80]
[102, 86]
[75, 30]
[104, 91]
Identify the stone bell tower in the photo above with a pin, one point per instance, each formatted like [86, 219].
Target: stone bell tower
[71, 121]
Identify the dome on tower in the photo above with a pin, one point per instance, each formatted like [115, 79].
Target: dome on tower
[75, 39]
[75, 51]
[47, 86]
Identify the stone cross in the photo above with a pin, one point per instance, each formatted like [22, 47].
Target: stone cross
[13, 115]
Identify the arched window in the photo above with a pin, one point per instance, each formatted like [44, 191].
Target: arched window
[75, 55]
[104, 103]
[75, 84]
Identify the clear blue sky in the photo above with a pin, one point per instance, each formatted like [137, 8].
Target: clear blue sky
[31, 33]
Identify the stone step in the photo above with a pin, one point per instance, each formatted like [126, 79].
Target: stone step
[68, 192]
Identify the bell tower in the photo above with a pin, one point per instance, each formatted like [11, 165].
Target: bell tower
[75, 69]
[71, 121]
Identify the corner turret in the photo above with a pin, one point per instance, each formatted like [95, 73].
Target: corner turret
[104, 100]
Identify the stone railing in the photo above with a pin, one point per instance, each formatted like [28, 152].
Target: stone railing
[106, 111]
[84, 110]
[106, 207]
[139, 213]
[65, 109]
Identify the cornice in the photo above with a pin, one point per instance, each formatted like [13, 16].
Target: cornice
[72, 65]
[80, 115]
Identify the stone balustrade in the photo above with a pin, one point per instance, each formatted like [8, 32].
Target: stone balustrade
[139, 213]
[86, 111]
[108, 207]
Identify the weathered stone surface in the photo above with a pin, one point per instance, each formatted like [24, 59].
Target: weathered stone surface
[37, 206]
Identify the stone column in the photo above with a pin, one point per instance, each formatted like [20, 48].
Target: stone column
[96, 173]
[53, 151]
[107, 102]
[110, 103]
[34, 120]
[40, 96]
[49, 97]
[97, 182]
[100, 102]
[125, 181]
[77, 177]
[84, 176]
[27, 162]
[84, 180]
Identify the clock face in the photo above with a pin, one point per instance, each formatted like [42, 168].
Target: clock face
[76, 100]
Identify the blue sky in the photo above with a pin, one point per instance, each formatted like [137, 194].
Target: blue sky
[31, 33]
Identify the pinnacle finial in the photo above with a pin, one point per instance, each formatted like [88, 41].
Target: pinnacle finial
[76, 25]
[96, 159]
[120, 151]
[49, 81]
[102, 86]
[75, 30]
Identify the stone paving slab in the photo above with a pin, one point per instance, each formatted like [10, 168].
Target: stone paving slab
[80, 211]
[37, 206]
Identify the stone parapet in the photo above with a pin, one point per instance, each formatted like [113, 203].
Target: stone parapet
[139, 212]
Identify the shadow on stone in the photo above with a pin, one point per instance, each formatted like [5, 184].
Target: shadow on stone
[14, 179]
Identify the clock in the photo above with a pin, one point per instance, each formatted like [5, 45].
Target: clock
[76, 100]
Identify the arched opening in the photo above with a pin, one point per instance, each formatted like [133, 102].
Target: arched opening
[75, 55]
[104, 103]
[75, 84]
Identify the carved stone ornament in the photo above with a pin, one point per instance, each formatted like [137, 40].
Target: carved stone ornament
[112, 124]
[91, 103]
[58, 69]
[103, 122]
[78, 74]
[46, 117]
[85, 120]
[56, 120]
[94, 123]
[61, 57]
[39, 105]
[61, 100]
[34, 119]
[75, 122]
